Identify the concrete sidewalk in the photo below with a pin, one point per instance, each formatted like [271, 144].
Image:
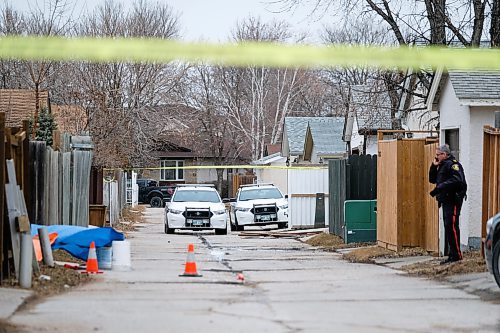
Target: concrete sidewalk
[11, 299]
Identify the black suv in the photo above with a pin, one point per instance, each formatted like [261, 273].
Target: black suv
[492, 247]
[150, 192]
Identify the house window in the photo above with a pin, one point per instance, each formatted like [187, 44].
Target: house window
[171, 174]
[451, 137]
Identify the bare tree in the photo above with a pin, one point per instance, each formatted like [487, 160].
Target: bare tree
[11, 23]
[258, 99]
[210, 132]
[436, 22]
[117, 95]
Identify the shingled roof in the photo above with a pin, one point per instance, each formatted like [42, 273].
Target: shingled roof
[326, 132]
[476, 85]
[19, 105]
[372, 108]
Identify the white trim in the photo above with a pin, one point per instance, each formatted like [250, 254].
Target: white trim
[479, 102]
[162, 172]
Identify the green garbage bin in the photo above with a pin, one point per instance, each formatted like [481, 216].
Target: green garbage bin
[360, 221]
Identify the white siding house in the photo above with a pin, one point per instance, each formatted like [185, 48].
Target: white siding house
[466, 102]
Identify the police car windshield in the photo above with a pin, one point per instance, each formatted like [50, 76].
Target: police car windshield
[196, 196]
[260, 193]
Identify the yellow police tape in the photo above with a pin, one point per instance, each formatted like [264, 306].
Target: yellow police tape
[195, 167]
[244, 54]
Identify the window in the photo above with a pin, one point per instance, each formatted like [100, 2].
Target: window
[171, 174]
[451, 139]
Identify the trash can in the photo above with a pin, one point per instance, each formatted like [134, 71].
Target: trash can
[97, 215]
[360, 220]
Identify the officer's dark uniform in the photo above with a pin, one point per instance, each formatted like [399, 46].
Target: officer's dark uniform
[450, 191]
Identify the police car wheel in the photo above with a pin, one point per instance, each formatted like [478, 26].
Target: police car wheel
[496, 262]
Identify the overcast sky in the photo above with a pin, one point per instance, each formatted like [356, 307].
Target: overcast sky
[213, 20]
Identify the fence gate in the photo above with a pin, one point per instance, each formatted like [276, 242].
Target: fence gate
[491, 175]
[337, 184]
[305, 188]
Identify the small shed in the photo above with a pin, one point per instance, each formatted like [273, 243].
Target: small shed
[467, 101]
[407, 216]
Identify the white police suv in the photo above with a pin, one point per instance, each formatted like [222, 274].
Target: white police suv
[195, 207]
[258, 204]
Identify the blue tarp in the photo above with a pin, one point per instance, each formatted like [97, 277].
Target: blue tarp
[76, 240]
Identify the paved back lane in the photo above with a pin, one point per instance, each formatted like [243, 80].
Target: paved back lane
[289, 287]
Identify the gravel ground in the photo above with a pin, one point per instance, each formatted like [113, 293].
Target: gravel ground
[473, 262]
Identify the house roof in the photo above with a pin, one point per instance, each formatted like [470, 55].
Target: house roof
[326, 133]
[476, 85]
[372, 107]
[295, 128]
[268, 159]
[476, 88]
[19, 105]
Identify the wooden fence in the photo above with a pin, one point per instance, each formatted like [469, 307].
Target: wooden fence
[114, 194]
[354, 178]
[406, 215]
[54, 182]
[239, 180]
[60, 186]
[491, 175]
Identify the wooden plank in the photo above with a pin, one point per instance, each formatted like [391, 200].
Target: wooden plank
[431, 241]
[66, 191]
[387, 192]
[4, 266]
[305, 195]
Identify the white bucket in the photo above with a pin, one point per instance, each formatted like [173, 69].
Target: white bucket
[121, 255]
[104, 255]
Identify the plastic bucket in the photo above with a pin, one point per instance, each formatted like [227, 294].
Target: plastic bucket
[121, 255]
[104, 255]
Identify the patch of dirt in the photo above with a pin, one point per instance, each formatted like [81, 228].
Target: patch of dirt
[472, 262]
[6, 327]
[130, 216]
[54, 280]
[368, 254]
[330, 242]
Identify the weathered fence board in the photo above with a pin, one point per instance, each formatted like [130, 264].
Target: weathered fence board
[405, 215]
[491, 175]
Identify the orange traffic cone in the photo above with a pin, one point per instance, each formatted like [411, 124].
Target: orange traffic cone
[190, 267]
[92, 266]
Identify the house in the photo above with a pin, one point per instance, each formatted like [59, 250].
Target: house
[273, 175]
[466, 101]
[175, 146]
[21, 104]
[313, 140]
[370, 111]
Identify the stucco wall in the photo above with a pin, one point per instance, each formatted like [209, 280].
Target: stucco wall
[371, 145]
[276, 176]
[470, 122]
[453, 115]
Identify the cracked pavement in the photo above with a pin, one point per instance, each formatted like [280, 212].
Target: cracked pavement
[288, 287]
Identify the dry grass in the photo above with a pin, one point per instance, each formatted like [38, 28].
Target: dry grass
[130, 216]
[330, 242]
[368, 254]
[472, 262]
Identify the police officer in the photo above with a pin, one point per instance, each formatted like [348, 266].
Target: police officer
[448, 175]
